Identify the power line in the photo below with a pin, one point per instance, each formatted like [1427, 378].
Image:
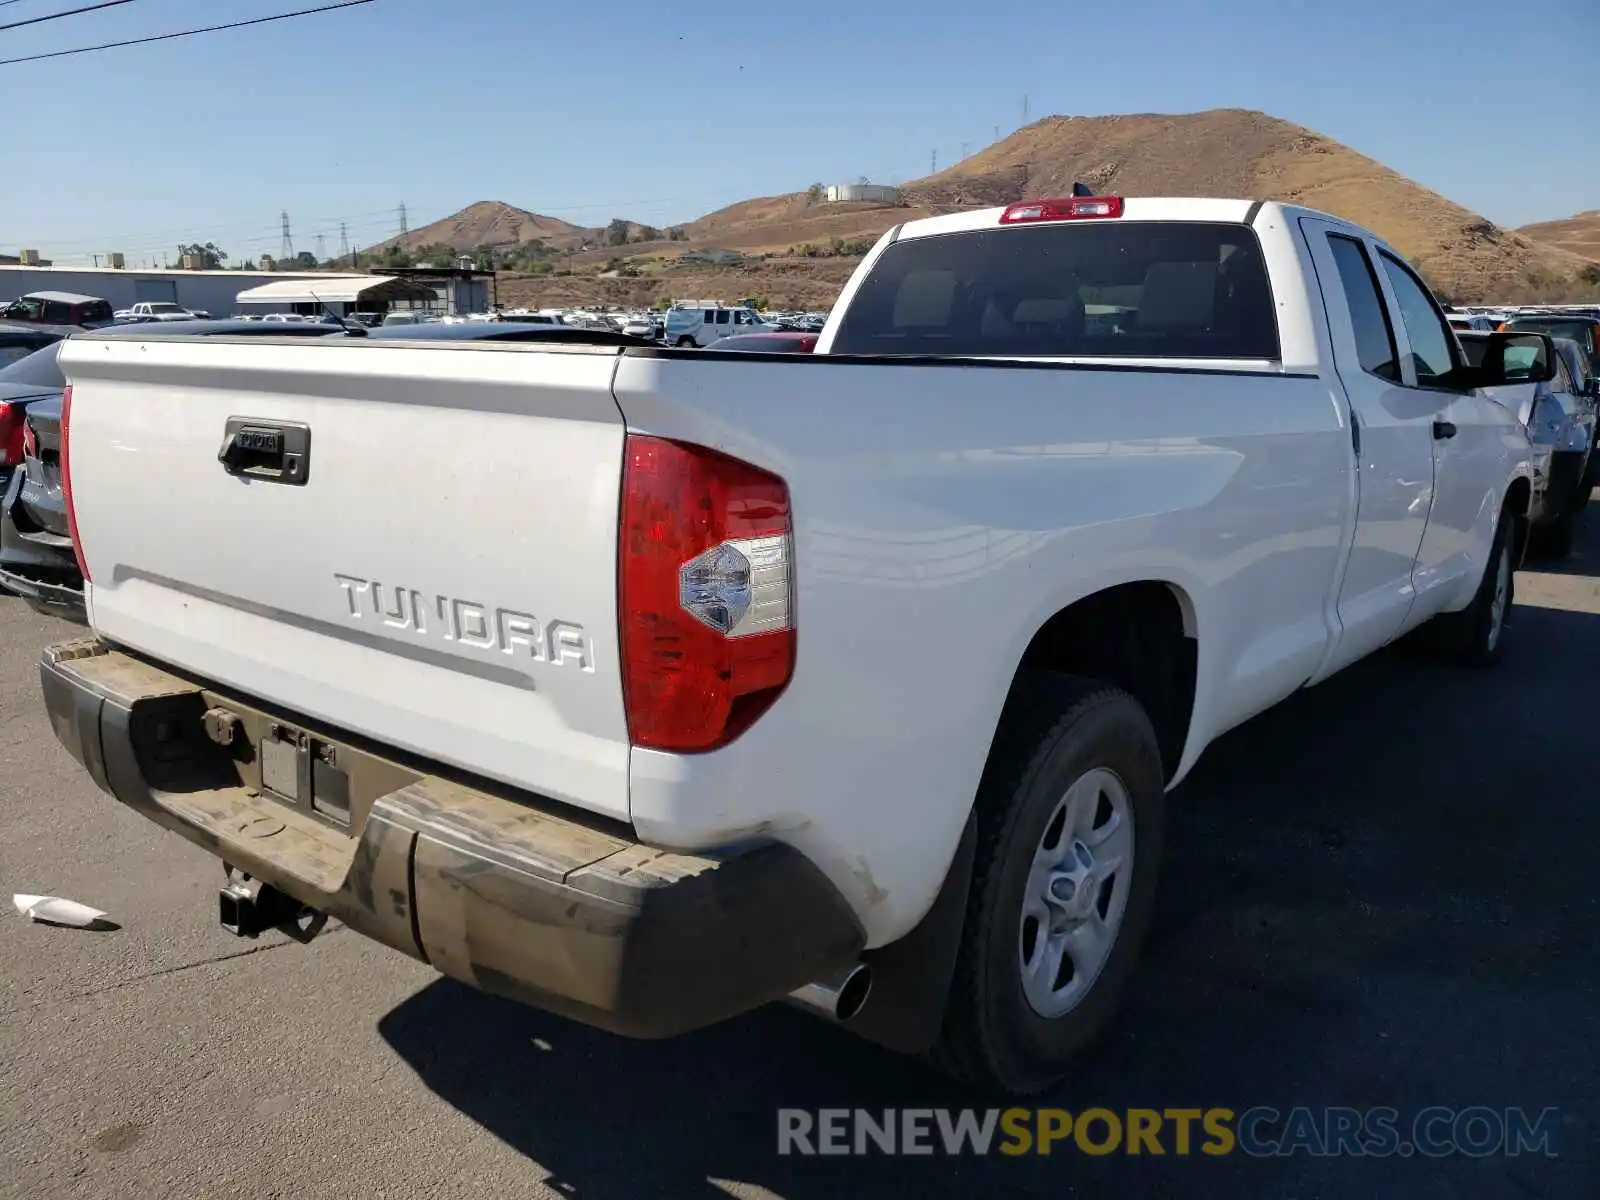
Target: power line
[71, 12]
[286, 249]
[166, 37]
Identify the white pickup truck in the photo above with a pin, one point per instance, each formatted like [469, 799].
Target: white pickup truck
[648, 686]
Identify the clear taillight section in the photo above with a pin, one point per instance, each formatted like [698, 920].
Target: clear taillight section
[705, 566]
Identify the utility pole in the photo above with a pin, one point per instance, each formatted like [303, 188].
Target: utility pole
[964, 146]
[344, 243]
[322, 248]
[997, 133]
[1024, 110]
[405, 232]
[97, 260]
[933, 163]
[286, 248]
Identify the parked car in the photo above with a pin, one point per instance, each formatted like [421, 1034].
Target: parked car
[1471, 322]
[1559, 415]
[156, 310]
[1581, 328]
[702, 326]
[58, 308]
[20, 339]
[1040, 562]
[36, 558]
[768, 343]
[645, 326]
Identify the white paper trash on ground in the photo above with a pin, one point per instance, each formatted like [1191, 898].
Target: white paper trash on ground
[58, 911]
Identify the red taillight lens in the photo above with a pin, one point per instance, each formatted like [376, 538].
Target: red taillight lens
[66, 481]
[1062, 208]
[706, 590]
[10, 435]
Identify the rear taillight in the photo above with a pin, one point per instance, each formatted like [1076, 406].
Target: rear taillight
[11, 418]
[705, 574]
[1062, 208]
[66, 481]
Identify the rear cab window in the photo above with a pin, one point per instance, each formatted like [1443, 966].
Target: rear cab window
[1135, 289]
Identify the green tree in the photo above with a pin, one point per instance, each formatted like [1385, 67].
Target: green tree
[304, 261]
[814, 194]
[617, 233]
[211, 258]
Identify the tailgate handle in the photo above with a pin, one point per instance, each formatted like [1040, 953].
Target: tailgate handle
[271, 451]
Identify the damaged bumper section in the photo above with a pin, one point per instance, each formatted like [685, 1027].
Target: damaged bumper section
[500, 890]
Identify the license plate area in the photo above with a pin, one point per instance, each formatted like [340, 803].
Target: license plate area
[302, 769]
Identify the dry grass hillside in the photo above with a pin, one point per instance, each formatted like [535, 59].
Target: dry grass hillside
[486, 223]
[1235, 152]
[1223, 152]
[1579, 234]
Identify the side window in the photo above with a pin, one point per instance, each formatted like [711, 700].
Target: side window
[722, 316]
[708, 316]
[1563, 380]
[1374, 336]
[1430, 337]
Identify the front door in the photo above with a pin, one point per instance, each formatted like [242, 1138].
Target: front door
[1468, 432]
[1392, 435]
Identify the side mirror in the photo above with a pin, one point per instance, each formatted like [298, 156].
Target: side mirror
[1511, 358]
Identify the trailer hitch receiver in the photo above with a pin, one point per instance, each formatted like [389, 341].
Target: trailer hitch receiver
[248, 908]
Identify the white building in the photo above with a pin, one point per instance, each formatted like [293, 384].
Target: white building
[214, 292]
[877, 193]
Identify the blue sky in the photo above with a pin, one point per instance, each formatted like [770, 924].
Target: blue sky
[661, 110]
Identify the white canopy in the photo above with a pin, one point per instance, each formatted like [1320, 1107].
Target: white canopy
[337, 289]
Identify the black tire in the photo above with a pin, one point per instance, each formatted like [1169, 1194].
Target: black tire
[1054, 730]
[1470, 637]
[684, 341]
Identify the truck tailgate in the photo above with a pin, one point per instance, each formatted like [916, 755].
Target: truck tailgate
[442, 580]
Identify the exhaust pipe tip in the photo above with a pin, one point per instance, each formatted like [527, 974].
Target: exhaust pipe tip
[838, 997]
[853, 995]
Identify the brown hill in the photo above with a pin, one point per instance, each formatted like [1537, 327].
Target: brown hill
[1235, 152]
[487, 223]
[1579, 234]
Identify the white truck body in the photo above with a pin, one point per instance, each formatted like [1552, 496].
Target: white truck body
[446, 583]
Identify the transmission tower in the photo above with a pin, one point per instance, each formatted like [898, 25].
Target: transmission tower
[286, 249]
[322, 248]
[344, 242]
[404, 231]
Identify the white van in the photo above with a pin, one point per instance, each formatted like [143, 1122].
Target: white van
[702, 326]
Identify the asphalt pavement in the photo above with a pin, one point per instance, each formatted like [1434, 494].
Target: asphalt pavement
[1382, 893]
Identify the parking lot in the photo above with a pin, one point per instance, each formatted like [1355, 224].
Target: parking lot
[1382, 893]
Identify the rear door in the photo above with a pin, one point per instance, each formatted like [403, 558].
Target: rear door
[1392, 432]
[439, 573]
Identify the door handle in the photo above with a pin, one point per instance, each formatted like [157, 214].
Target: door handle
[1443, 429]
[271, 451]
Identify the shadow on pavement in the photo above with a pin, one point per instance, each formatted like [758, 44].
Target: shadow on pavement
[1380, 893]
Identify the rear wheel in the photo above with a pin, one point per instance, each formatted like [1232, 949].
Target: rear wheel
[684, 341]
[1070, 822]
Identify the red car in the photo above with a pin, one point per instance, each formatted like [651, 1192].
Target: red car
[768, 343]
